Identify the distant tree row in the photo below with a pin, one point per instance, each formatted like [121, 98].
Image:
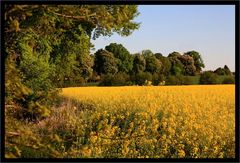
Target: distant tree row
[116, 58]
[114, 65]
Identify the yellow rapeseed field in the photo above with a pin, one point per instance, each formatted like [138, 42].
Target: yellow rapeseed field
[155, 121]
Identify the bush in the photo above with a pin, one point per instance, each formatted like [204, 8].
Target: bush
[187, 80]
[142, 77]
[228, 80]
[175, 80]
[106, 80]
[209, 77]
[220, 71]
[157, 78]
[118, 79]
[70, 82]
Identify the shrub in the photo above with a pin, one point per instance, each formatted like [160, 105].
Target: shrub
[220, 71]
[118, 79]
[106, 80]
[71, 82]
[187, 80]
[209, 77]
[158, 78]
[175, 80]
[141, 78]
[228, 80]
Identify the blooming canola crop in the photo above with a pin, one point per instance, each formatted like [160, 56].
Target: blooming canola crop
[156, 121]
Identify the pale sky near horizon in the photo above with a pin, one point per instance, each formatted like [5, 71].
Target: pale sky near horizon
[208, 29]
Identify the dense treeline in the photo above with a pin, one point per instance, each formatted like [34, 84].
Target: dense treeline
[48, 47]
[114, 65]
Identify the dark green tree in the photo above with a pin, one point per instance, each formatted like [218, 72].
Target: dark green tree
[223, 71]
[188, 65]
[105, 62]
[48, 26]
[198, 62]
[158, 55]
[72, 57]
[166, 64]
[124, 59]
[153, 65]
[34, 62]
[147, 53]
[139, 63]
[177, 67]
[174, 54]
[227, 70]
[209, 77]
[228, 80]
[142, 77]
[219, 71]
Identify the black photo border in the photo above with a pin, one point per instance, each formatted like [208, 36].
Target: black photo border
[137, 2]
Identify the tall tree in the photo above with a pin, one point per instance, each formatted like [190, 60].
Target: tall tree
[153, 65]
[124, 59]
[147, 53]
[139, 63]
[227, 70]
[188, 64]
[166, 63]
[177, 67]
[105, 62]
[52, 24]
[198, 62]
[72, 56]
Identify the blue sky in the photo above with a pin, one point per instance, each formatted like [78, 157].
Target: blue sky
[208, 29]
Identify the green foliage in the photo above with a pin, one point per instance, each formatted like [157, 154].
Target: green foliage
[223, 71]
[119, 79]
[124, 59]
[177, 67]
[142, 77]
[182, 64]
[166, 64]
[34, 62]
[181, 80]
[227, 70]
[174, 55]
[146, 53]
[72, 57]
[190, 80]
[153, 65]
[158, 78]
[139, 63]
[198, 62]
[105, 62]
[228, 80]
[209, 77]
[103, 19]
[29, 99]
[175, 80]
[220, 71]
[50, 44]
[188, 65]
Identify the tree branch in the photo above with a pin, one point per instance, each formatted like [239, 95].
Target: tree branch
[72, 17]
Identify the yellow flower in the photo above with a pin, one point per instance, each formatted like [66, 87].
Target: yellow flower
[181, 153]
